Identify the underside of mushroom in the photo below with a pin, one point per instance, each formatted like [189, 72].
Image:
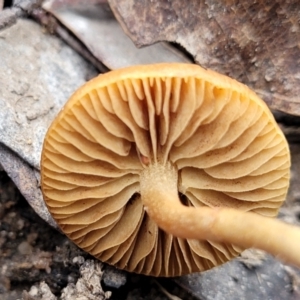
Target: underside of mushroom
[168, 169]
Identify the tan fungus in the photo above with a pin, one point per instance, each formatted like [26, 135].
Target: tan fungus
[168, 169]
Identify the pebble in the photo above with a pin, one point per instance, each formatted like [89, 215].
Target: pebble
[25, 248]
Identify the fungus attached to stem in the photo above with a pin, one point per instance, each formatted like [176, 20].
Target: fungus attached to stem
[159, 192]
[168, 169]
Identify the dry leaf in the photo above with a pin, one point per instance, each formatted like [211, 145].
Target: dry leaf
[97, 28]
[235, 281]
[254, 42]
[37, 74]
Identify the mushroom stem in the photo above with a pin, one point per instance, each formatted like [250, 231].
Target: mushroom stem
[159, 194]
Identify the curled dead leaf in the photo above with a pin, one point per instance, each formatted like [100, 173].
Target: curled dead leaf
[256, 43]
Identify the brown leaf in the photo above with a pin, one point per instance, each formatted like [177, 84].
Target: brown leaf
[254, 42]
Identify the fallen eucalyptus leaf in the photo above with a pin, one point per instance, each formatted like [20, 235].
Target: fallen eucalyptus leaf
[37, 74]
[254, 42]
[97, 28]
[235, 281]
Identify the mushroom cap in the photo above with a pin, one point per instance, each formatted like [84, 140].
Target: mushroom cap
[221, 137]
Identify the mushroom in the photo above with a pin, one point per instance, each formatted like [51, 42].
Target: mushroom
[168, 169]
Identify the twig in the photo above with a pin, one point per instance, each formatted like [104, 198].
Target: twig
[169, 295]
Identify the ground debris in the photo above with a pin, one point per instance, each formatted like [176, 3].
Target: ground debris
[113, 277]
[41, 292]
[88, 286]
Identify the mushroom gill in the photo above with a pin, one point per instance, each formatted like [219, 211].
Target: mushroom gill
[169, 146]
